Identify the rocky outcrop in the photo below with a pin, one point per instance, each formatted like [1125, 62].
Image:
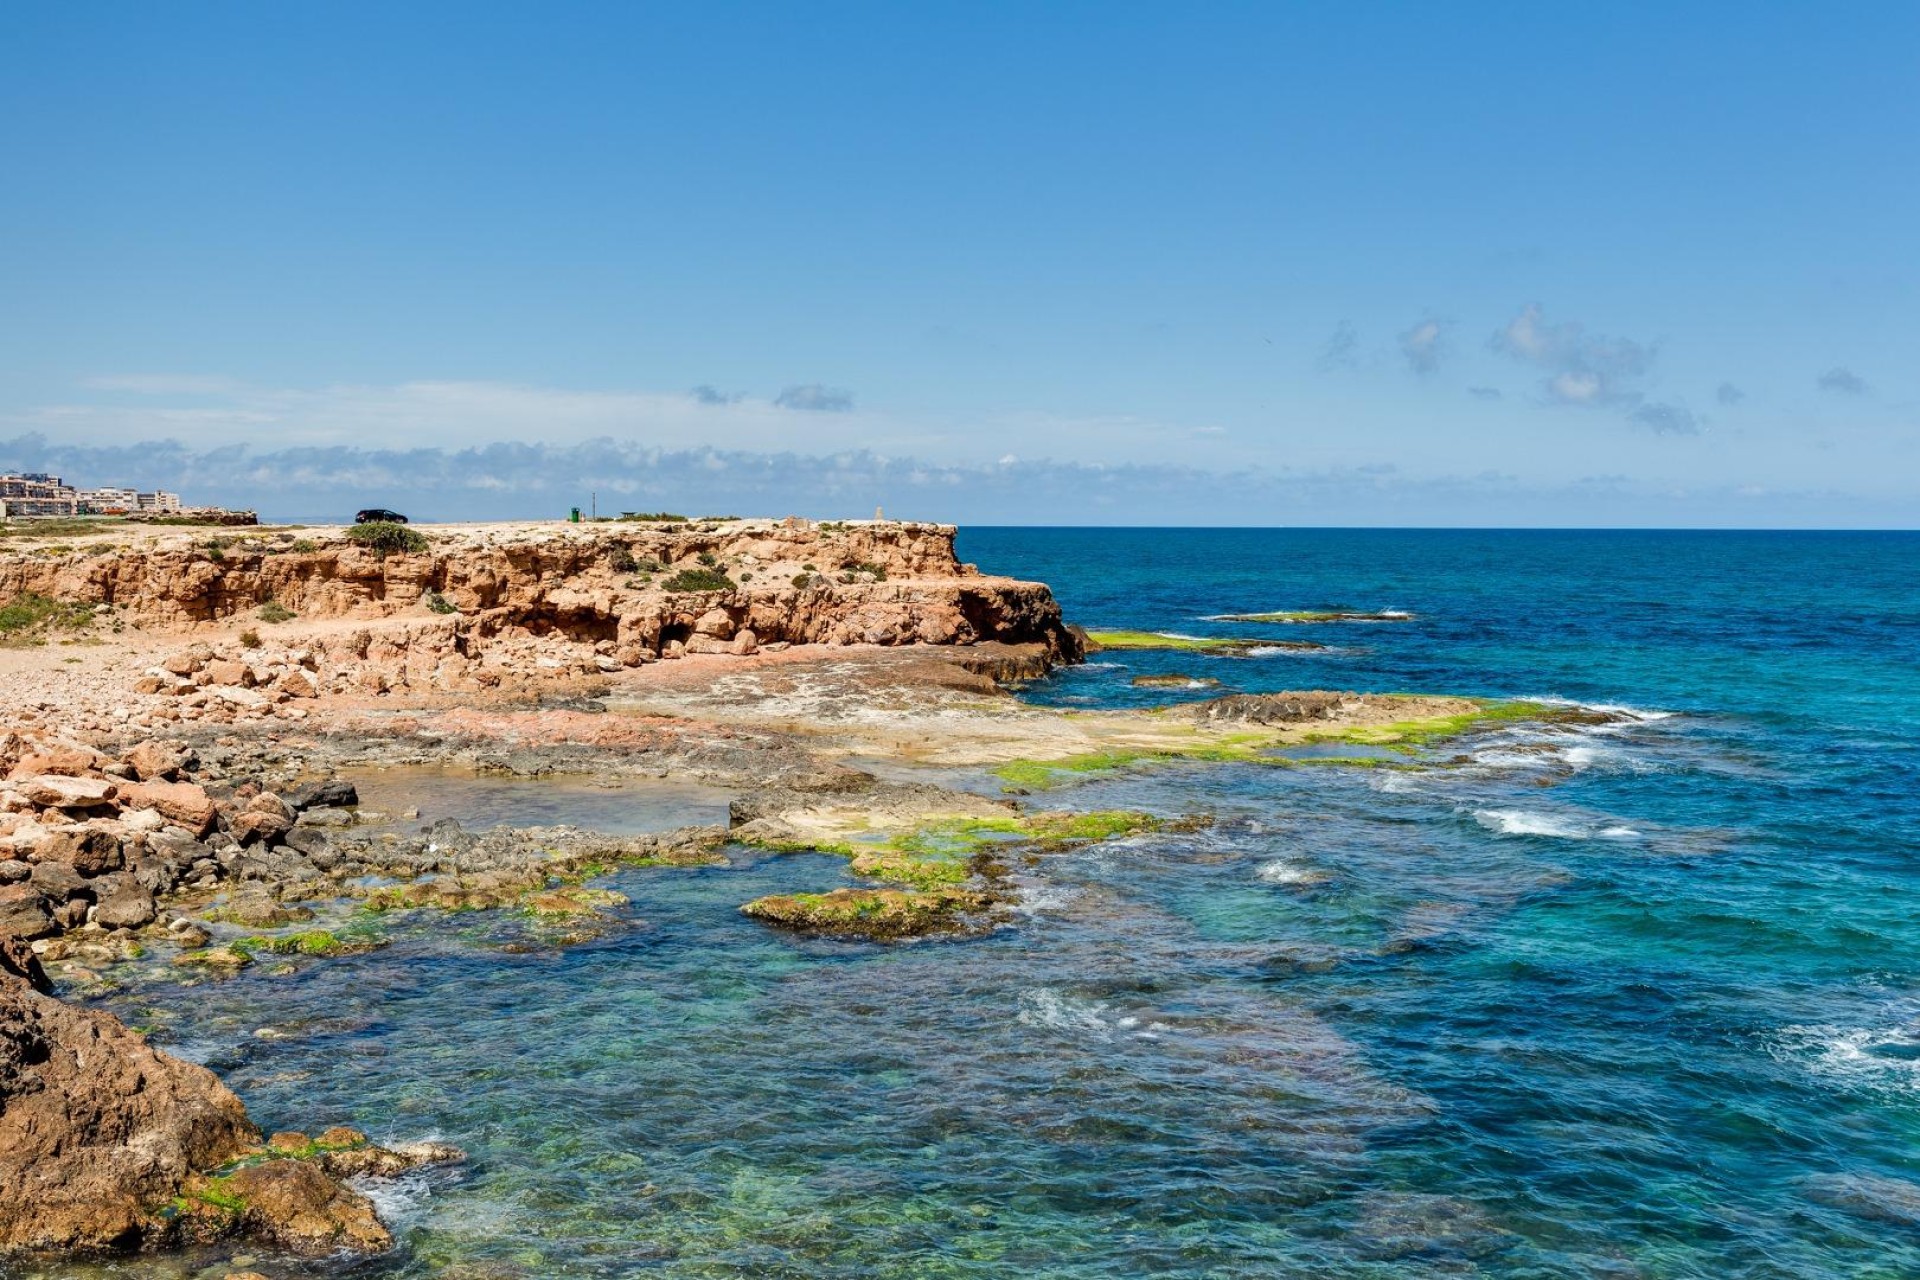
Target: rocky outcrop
[108, 1144]
[645, 590]
[97, 1129]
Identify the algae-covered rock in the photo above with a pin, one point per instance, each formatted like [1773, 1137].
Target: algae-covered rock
[881, 915]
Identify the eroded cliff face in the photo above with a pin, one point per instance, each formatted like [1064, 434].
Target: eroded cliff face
[605, 584]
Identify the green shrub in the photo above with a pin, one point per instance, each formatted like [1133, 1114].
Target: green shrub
[32, 612]
[274, 611]
[249, 639]
[388, 538]
[439, 603]
[305, 546]
[699, 580]
[708, 559]
[216, 550]
[802, 579]
[867, 566]
[622, 561]
[652, 517]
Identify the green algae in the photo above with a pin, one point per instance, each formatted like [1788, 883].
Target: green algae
[1407, 737]
[1228, 646]
[876, 914]
[311, 942]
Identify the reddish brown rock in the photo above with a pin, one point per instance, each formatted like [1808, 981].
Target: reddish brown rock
[186, 803]
[97, 1128]
[297, 1206]
[152, 761]
[57, 791]
[65, 759]
[226, 671]
[89, 849]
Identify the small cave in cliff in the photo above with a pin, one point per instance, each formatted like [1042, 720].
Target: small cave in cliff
[671, 631]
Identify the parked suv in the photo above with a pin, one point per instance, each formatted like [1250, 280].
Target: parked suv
[379, 515]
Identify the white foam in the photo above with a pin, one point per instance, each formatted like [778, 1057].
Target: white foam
[1045, 1008]
[399, 1201]
[1851, 1055]
[1037, 898]
[1268, 650]
[1280, 871]
[1610, 708]
[1526, 822]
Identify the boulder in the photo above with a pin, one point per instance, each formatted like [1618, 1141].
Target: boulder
[23, 914]
[97, 1128]
[123, 903]
[90, 850]
[68, 759]
[186, 803]
[156, 760]
[254, 827]
[717, 623]
[334, 793]
[256, 907]
[229, 672]
[58, 882]
[55, 791]
[295, 1205]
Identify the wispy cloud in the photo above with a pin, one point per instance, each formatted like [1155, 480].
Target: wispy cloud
[1580, 368]
[706, 394]
[1421, 345]
[1729, 395]
[1340, 351]
[1842, 381]
[1484, 393]
[1666, 419]
[815, 398]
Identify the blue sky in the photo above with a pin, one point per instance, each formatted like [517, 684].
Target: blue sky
[1219, 263]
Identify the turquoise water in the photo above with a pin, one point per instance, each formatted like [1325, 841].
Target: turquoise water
[1639, 1001]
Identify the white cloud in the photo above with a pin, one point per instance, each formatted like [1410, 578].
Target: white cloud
[1580, 368]
[1421, 346]
[816, 398]
[1843, 380]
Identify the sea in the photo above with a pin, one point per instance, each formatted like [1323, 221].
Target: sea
[1628, 999]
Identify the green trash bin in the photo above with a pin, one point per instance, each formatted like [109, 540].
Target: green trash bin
[575, 517]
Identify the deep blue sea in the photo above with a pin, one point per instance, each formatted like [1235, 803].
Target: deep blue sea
[1635, 1000]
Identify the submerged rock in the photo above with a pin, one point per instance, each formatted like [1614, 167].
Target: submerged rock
[880, 915]
[1175, 682]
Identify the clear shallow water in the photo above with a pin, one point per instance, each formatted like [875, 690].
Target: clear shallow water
[1637, 1002]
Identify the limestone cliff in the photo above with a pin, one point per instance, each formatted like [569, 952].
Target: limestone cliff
[632, 588]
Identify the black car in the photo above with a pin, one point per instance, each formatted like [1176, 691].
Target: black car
[379, 515]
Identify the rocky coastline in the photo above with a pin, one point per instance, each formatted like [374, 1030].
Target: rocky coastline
[171, 783]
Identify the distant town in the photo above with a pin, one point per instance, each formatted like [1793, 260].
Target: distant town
[36, 495]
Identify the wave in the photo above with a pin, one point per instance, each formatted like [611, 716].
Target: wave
[1043, 1008]
[1047, 1009]
[1647, 714]
[1531, 822]
[1871, 1057]
[1280, 871]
